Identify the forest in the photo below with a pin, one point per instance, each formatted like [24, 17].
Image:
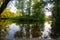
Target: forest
[32, 15]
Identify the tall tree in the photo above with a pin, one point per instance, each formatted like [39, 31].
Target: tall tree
[29, 7]
[20, 6]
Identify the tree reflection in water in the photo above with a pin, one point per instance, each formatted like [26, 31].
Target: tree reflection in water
[9, 29]
[29, 31]
[36, 31]
[4, 27]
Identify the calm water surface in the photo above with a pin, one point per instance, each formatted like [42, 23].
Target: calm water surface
[12, 30]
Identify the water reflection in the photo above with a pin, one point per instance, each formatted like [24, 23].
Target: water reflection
[29, 31]
[47, 28]
[4, 27]
[36, 32]
[55, 31]
[12, 30]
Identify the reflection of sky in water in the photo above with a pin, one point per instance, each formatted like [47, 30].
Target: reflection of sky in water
[47, 28]
[13, 28]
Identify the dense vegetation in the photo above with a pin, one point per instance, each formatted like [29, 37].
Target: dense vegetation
[56, 19]
[33, 11]
[30, 11]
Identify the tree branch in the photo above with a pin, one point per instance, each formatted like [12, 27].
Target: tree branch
[4, 5]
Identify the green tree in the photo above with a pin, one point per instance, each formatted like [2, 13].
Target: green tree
[37, 11]
[56, 19]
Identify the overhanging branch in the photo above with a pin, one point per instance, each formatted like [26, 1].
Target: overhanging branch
[3, 6]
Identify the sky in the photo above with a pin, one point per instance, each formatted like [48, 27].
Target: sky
[48, 9]
[12, 6]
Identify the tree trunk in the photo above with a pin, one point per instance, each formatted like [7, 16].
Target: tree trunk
[3, 6]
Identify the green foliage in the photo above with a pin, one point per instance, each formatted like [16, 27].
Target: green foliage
[38, 14]
[56, 13]
[56, 20]
[37, 5]
[8, 14]
[4, 24]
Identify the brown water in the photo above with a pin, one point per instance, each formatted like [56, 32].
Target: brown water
[12, 30]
